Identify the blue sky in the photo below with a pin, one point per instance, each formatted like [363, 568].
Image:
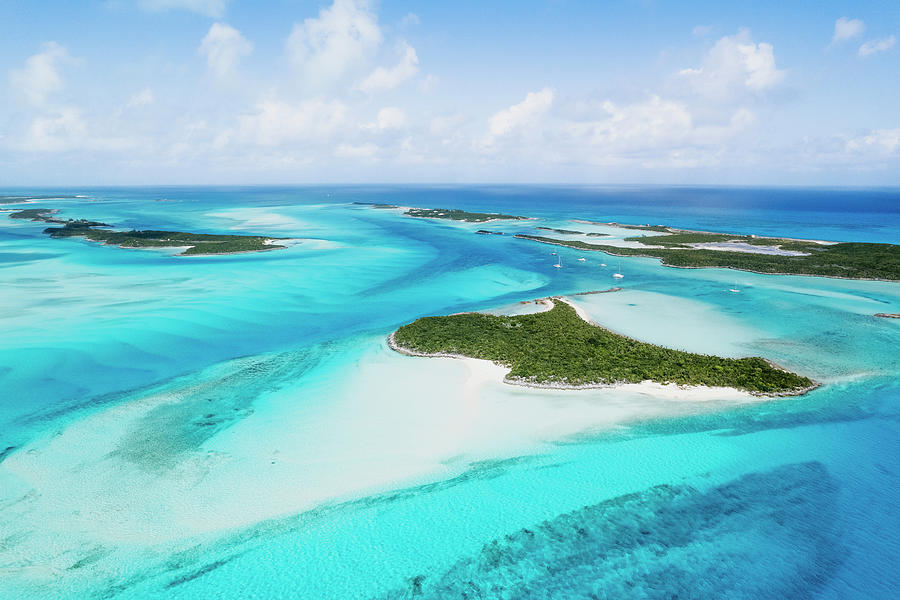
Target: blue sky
[642, 91]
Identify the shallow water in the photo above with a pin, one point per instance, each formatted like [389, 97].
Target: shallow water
[226, 426]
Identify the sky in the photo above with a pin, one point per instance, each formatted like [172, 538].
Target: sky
[152, 92]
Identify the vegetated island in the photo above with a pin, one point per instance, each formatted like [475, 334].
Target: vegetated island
[198, 244]
[559, 349]
[888, 315]
[377, 205]
[698, 249]
[453, 214]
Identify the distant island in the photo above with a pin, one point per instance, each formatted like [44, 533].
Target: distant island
[572, 232]
[197, 244]
[460, 215]
[695, 249]
[686, 248]
[558, 348]
[450, 214]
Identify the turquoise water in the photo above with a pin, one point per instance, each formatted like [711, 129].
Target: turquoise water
[235, 426]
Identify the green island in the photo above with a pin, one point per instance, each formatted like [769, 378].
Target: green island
[557, 348]
[197, 243]
[377, 205]
[37, 214]
[849, 260]
[453, 214]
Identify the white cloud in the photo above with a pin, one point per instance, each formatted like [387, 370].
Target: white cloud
[428, 83]
[876, 46]
[40, 77]
[879, 141]
[641, 125]
[447, 124]
[209, 8]
[65, 130]
[845, 29]
[54, 133]
[735, 64]
[356, 151]
[390, 117]
[524, 114]
[383, 79]
[342, 37]
[275, 122]
[223, 46]
[143, 98]
[410, 19]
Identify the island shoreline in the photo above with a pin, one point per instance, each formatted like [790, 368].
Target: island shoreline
[396, 347]
[662, 262]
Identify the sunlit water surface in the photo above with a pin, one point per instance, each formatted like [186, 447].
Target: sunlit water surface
[235, 426]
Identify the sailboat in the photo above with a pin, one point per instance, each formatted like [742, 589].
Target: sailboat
[581, 259]
[618, 274]
[558, 264]
[735, 289]
[602, 264]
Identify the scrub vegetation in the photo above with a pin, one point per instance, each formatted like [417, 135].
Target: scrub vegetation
[197, 243]
[557, 348]
[460, 215]
[852, 260]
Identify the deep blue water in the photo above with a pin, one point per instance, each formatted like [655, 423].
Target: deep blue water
[214, 427]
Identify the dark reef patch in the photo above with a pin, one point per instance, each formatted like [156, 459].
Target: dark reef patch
[764, 535]
[199, 410]
[199, 572]
[6, 452]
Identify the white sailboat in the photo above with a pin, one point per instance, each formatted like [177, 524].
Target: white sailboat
[735, 289]
[581, 259]
[558, 264]
[618, 274]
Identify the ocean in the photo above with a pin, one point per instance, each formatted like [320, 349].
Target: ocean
[235, 426]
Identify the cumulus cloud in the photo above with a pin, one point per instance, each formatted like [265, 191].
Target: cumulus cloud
[639, 125]
[53, 133]
[519, 116]
[276, 122]
[876, 46]
[846, 29]
[224, 46]
[383, 79]
[143, 98]
[879, 141]
[65, 130]
[390, 117]
[734, 65]
[39, 77]
[209, 8]
[342, 37]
